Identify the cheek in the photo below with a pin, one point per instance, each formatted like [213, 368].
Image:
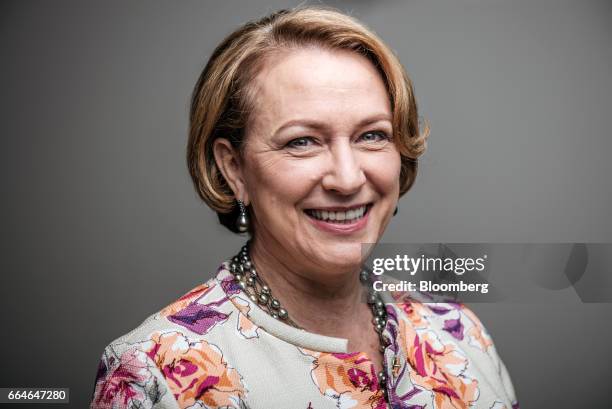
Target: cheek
[384, 171]
[277, 181]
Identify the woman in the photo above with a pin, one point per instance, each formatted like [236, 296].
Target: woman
[304, 133]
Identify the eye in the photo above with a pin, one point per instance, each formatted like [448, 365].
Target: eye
[301, 142]
[374, 137]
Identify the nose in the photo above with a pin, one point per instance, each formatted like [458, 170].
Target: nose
[344, 173]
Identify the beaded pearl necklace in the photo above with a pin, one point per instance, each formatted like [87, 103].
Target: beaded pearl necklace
[249, 281]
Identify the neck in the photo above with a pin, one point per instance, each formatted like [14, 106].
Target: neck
[319, 305]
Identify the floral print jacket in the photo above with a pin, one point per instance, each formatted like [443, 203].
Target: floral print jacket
[215, 348]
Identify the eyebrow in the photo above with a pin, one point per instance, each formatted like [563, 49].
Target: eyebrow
[320, 125]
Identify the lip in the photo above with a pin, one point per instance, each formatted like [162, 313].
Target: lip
[341, 228]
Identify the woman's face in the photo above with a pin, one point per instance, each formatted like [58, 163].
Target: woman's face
[320, 168]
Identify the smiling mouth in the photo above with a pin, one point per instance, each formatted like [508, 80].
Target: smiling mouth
[348, 216]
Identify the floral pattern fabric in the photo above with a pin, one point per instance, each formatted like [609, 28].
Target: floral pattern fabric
[215, 348]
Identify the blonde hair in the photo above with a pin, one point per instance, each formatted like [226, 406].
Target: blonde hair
[221, 102]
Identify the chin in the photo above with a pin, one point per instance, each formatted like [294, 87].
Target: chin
[339, 257]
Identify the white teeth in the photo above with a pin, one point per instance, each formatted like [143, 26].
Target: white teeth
[345, 217]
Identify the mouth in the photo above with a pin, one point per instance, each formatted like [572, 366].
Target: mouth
[340, 215]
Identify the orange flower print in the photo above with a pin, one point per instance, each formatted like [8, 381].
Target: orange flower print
[438, 367]
[459, 321]
[417, 312]
[195, 371]
[246, 328]
[184, 301]
[477, 334]
[349, 378]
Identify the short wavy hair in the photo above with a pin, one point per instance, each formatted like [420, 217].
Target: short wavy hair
[223, 99]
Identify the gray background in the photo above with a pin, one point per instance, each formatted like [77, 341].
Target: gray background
[101, 226]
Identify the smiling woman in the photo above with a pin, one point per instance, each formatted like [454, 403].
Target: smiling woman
[317, 141]
[304, 133]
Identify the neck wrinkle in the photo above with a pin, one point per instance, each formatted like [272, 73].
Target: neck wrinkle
[316, 307]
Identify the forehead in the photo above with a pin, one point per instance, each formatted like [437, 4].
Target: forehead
[337, 85]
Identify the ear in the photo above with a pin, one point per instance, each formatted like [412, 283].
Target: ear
[229, 163]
